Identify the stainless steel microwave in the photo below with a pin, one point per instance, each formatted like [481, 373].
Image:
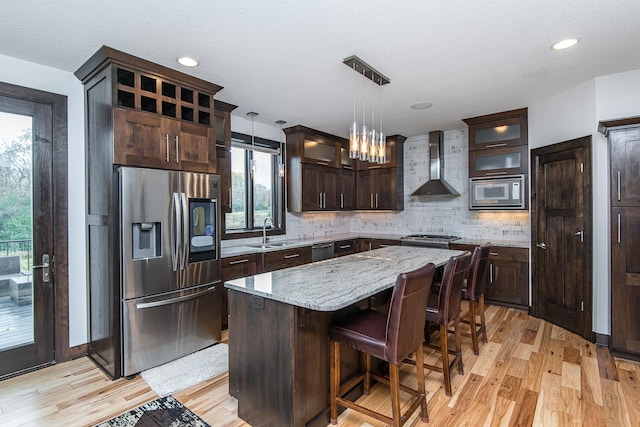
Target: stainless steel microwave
[504, 192]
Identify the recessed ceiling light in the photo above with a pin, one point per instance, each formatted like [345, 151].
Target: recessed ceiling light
[565, 44]
[187, 61]
[421, 106]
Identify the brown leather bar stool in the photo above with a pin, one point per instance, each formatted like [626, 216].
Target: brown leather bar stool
[391, 337]
[473, 291]
[443, 308]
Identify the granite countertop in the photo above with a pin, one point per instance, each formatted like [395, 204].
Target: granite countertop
[339, 282]
[292, 243]
[494, 242]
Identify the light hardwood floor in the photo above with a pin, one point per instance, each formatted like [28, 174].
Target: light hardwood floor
[529, 373]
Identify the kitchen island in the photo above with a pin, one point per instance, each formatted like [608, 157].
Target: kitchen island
[279, 323]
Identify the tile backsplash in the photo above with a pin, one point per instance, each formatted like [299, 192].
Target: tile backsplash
[421, 214]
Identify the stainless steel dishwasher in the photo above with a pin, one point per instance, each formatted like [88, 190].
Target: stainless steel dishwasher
[321, 251]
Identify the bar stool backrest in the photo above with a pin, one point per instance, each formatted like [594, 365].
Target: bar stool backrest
[405, 322]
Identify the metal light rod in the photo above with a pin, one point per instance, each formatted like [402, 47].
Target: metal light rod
[369, 72]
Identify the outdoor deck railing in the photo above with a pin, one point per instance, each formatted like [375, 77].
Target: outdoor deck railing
[21, 248]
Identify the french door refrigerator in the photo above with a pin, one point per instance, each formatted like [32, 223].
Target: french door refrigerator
[169, 266]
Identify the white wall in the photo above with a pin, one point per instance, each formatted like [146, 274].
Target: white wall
[36, 76]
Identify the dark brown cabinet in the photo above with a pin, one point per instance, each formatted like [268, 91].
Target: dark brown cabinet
[508, 275]
[376, 189]
[381, 187]
[149, 140]
[369, 244]
[344, 247]
[498, 144]
[234, 268]
[160, 118]
[222, 116]
[321, 177]
[319, 188]
[346, 190]
[278, 260]
[624, 154]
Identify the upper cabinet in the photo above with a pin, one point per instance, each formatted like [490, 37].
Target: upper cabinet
[160, 117]
[498, 144]
[222, 117]
[322, 177]
[314, 164]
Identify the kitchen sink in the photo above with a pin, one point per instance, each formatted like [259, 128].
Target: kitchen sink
[282, 244]
[261, 246]
[272, 245]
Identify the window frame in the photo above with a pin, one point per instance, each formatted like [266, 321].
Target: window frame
[279, 222]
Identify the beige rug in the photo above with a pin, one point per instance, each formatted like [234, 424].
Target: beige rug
[189, 370]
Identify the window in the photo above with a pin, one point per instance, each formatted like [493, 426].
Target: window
[258, 196]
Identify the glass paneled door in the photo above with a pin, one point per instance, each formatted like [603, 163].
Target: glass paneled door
[26, 236]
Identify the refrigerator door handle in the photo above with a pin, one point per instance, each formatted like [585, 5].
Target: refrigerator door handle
[175, 235]
[185, 230]
[143, 305]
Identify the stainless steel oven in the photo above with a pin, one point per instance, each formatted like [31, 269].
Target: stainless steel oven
[504, 192]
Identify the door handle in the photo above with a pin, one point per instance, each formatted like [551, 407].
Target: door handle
[581, 234]
[177, 150]
[45, 268]
[541, 245]
[185, 230]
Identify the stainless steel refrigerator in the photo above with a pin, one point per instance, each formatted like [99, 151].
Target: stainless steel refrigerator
[170, 265]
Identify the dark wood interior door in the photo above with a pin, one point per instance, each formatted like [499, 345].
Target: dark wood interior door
[26, 212]
[561, 237]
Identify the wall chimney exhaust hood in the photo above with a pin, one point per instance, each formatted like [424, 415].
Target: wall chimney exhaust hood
[436, 186]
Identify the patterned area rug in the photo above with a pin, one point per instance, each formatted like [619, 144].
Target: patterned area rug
[188, 370]
[162, 412]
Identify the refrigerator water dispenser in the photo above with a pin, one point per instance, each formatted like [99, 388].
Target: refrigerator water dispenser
[146, 239]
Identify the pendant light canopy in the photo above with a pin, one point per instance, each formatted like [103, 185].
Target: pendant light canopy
[364, 144]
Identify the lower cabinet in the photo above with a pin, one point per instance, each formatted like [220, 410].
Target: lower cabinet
[234, 268]
[344, 247]
[508, 275]
[366, 244]
[625, 281]
[278, 260]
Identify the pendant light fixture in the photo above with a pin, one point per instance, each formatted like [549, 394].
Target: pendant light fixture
[354, 143]
[382, 139]
[364, 133]
[364, 144]
[282, 150]
[252, 169]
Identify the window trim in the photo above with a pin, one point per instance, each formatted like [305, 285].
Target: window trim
[241, 140]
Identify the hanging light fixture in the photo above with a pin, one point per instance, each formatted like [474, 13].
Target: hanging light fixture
[354, 143]
[364, 134]
[282, 150]
[373, 135]
[382, 140]
[252, 169]
[366, 145]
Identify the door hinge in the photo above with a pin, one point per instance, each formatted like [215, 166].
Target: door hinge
[581, 305]
[53, 264]
[581, 167]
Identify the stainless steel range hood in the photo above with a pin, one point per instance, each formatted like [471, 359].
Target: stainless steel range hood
[436, 186]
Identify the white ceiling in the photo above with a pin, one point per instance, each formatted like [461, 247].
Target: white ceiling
[283, 58]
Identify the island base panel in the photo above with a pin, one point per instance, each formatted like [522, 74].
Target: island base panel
[279, 361]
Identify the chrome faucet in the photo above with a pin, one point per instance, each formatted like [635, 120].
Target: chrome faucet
[264, 230]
